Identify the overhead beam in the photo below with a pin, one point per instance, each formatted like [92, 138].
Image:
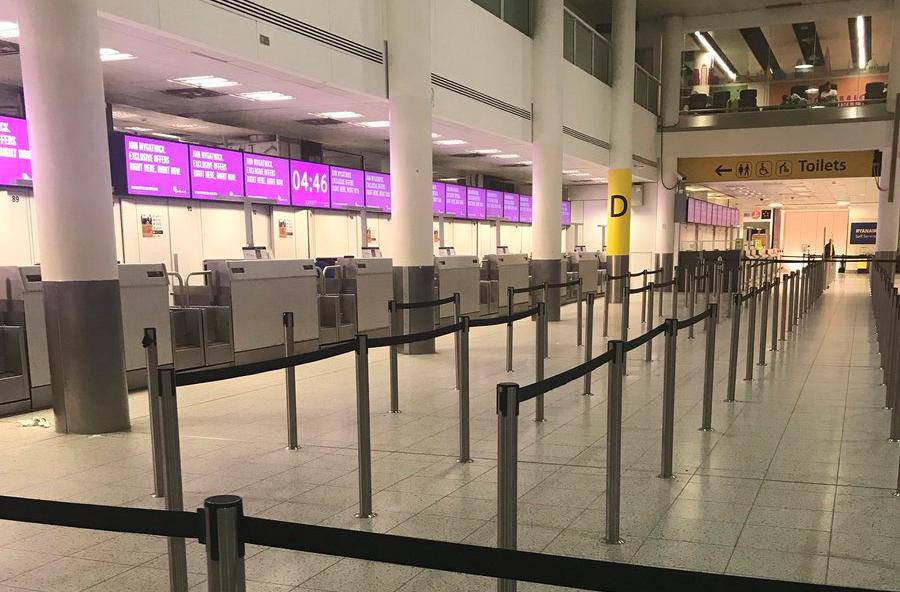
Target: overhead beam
[794, 13]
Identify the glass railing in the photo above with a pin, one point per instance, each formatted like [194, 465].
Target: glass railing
[646, 90]
[585, 47]
[516, 13]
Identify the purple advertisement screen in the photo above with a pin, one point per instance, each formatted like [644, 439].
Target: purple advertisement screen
[511, 207]
[378, 191]
[156, 167]
[15, 154]
[216, 172]
[455, 200]
[493, 204]
[475, 203]
[267, 177]
[566, 213]
[309, 184]
[347, 186]
[692, 211]
[525, 209]
[438, 195]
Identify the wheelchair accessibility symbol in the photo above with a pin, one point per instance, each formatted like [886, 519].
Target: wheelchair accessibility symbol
[764, 168]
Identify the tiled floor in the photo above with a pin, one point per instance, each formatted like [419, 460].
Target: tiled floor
[794, 483]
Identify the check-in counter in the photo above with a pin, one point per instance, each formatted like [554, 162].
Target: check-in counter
[22, 305]
[587, 265]
[503, 272]
[458, 274]
[371, 283]
[252, 295]
[144, 290]
[15, 393]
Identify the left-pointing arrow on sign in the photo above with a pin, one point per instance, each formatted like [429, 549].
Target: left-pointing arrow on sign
[720, 169]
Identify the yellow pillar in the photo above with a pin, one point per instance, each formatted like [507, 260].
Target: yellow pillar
[618, 214]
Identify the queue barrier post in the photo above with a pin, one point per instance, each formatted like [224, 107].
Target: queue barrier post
[709, 367]
[224, 548]
[751, 334]
[668, 401]
[172, 460]
[463, 371]
[662, 295]
[540, 329]
[589, 342]
[396, 329]
[456, 320]
[733, 351]
[784, 306]
[510, 294]
[290, 382]
[156, 437]
[804, 280]
[675, 292]
[363, 430]
[720, 282]
[692, 298]
[626, 306]
[507, 471]
[545, 330]
[648, 356]
[776, 292]
[644, 297]
[764, 324]
[614, 441]
[606, 306]
[792, 297]
[888, 342]
[579, 297]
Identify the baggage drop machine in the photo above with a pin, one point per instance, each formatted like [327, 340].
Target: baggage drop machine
[370, 281]
[144, 292]
[587, 265]
[499, 273]
[253, 295]
[458, 274]
[25, 371]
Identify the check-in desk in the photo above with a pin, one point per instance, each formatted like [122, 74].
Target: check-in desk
[371, 283]
[458, 274]
[587, 265]
[22, 313]
[499, 273]
[252, 295]
[144, 292]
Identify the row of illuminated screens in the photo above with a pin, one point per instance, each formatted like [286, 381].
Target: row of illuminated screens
[704, 212]
[159, 168]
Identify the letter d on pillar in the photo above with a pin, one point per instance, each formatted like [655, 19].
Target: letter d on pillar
[618, 225]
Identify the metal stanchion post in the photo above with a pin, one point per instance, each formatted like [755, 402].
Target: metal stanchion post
[675, 293]
[784, 306]
[692, 298]
[733, 351]
[546, 324]
[463, 359]
[650, 289]
[668, 401]
[626, 307]
[224, 548]
[606, 307]
[614, 441]
[540, 328]
[644, 298]
[456, 320]
[363, 432]
[804, 280]
[751, 334]
[507, 472]
[396, 329]
[510, 293]
[709, 367]
[579, 296]
[156, 443]
[290, 382]
[172, 460]
[764, 324]
[589, 341]
[662, 294]
[792, 306]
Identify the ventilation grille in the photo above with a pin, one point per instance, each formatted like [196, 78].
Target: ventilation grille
[320, 121]
[278, 19]
[193, 93]
[473, 94]
[584, 137]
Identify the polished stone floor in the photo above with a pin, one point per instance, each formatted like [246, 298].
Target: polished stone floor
[794, 483]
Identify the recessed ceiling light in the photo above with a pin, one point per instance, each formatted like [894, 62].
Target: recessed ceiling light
[843, 203]
[524, 162]
[108, 54]
[8, 30]
[187, 126]
[570, 171]
[449, 179]
[803, 67]
[775, 204]
[122, 114]
[338, 114]
[374, 124]
[450, 142]
[162, 135]
[505, 156]
[434, 136]
[206, 81]
[137, 128]
[265, 95]
[581, 174]
[485, 151]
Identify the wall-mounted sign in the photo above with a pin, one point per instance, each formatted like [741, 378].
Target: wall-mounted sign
[309, 184]
[285, 228]
[438, 195]
[766, 215]
[216, 172]
[863, 233]
[267, 177]
[378, 191]
[455, 200]
[15, 155]
[347, 188]
[156, 167]
[151, 226]
[764, 167]
[475, 205]
[566, 213]
[493, 204]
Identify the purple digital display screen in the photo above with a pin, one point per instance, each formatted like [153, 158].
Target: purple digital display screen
[525, 209]
[566, 213]
[455, 201]
[309, 184]
[475, 204]
[692, 211]
[438, 195]
[511, 207]
[267, 177]
[155, 167]
[493, 204]
[347, 188]
[216, 172]
[15, 153]
[378, 191]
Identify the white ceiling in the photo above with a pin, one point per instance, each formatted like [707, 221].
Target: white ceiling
[798, 193]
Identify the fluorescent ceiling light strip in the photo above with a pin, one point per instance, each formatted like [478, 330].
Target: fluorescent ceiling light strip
[719, 59]
[861, 42]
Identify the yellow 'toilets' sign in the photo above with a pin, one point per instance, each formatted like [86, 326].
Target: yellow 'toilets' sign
[763, 167]
[618, 213]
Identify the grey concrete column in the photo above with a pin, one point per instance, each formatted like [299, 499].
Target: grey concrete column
[547, 60]
[672, 45]
[64, 99]
[409, 101]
